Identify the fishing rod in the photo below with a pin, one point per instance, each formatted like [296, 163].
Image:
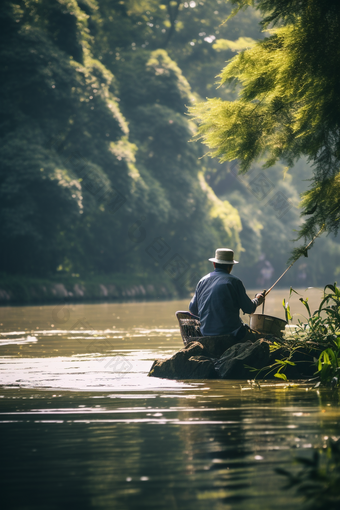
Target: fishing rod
[266, 292]
[277, 281]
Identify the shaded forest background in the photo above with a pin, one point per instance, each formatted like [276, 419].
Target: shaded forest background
[98, 177]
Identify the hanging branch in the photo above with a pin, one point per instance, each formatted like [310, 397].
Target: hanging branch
[298, 252]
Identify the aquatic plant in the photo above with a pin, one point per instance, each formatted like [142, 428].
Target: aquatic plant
[319, 479]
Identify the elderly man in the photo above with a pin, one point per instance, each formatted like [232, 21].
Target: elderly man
[218, 298]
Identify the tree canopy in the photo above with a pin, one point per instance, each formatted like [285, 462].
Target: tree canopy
[95, 159]
[288, 104]
[96, 163]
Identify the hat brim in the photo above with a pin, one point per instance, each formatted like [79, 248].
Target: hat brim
[218, 261]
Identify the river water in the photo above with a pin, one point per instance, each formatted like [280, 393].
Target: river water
[82, 426]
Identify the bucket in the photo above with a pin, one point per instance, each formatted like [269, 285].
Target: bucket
[267, 324]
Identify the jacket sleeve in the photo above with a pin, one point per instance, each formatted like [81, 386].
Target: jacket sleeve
[246, 304]
[193, 307]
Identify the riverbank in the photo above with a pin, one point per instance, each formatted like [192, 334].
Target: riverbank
[26, 290]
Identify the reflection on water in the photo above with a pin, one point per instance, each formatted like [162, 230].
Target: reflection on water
[82, 426]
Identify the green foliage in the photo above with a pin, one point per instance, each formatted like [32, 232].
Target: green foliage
[320, 332]
[153, 99]
[282, 364]
[151, 78]
[287, 310]
[266, 235]
[59, 117]
[187, 30]
[240, 44]
[64, 286]
[288, 105]
[94, 101]
[81, 126]
[316, 339]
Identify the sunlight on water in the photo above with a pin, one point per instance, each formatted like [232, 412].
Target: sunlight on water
[83, 426]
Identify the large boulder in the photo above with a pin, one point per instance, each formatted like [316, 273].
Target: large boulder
[215, 346]
[234, 362]
[192, 362]
[222, 358]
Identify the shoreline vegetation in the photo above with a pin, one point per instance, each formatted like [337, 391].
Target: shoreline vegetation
[23, 290]
[319, 337]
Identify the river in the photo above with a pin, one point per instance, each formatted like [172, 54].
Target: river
[82, 426]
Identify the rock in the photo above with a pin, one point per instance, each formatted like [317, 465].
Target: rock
[191, 362]
[59, 290]
[78, 290]
[202, 359]
[142, 290]
[103, 290]
[4, 296]
[231, 364]
[112, 290]
[215, 345]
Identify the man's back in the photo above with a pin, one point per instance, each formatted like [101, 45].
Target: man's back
[217, 301]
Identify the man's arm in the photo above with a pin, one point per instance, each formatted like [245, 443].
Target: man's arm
[248, 305]
[193, 307]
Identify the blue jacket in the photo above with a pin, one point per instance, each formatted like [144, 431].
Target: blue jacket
[217, 301]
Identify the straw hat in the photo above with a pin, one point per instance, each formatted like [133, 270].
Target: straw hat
[224, 256]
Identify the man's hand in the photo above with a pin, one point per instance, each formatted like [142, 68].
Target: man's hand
[260, 298]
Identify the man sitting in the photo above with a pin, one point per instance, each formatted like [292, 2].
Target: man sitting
[218, 298]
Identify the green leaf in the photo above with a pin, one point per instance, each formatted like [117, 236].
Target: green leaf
[280, 376]
[287, 311]
[326, 358]
[305, 303]
[332, 357]
[291, 290]
[331, 287]
[284, 362]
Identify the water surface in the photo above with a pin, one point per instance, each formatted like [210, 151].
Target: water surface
[82, 426]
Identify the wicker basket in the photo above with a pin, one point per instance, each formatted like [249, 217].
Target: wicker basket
[189, 326]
